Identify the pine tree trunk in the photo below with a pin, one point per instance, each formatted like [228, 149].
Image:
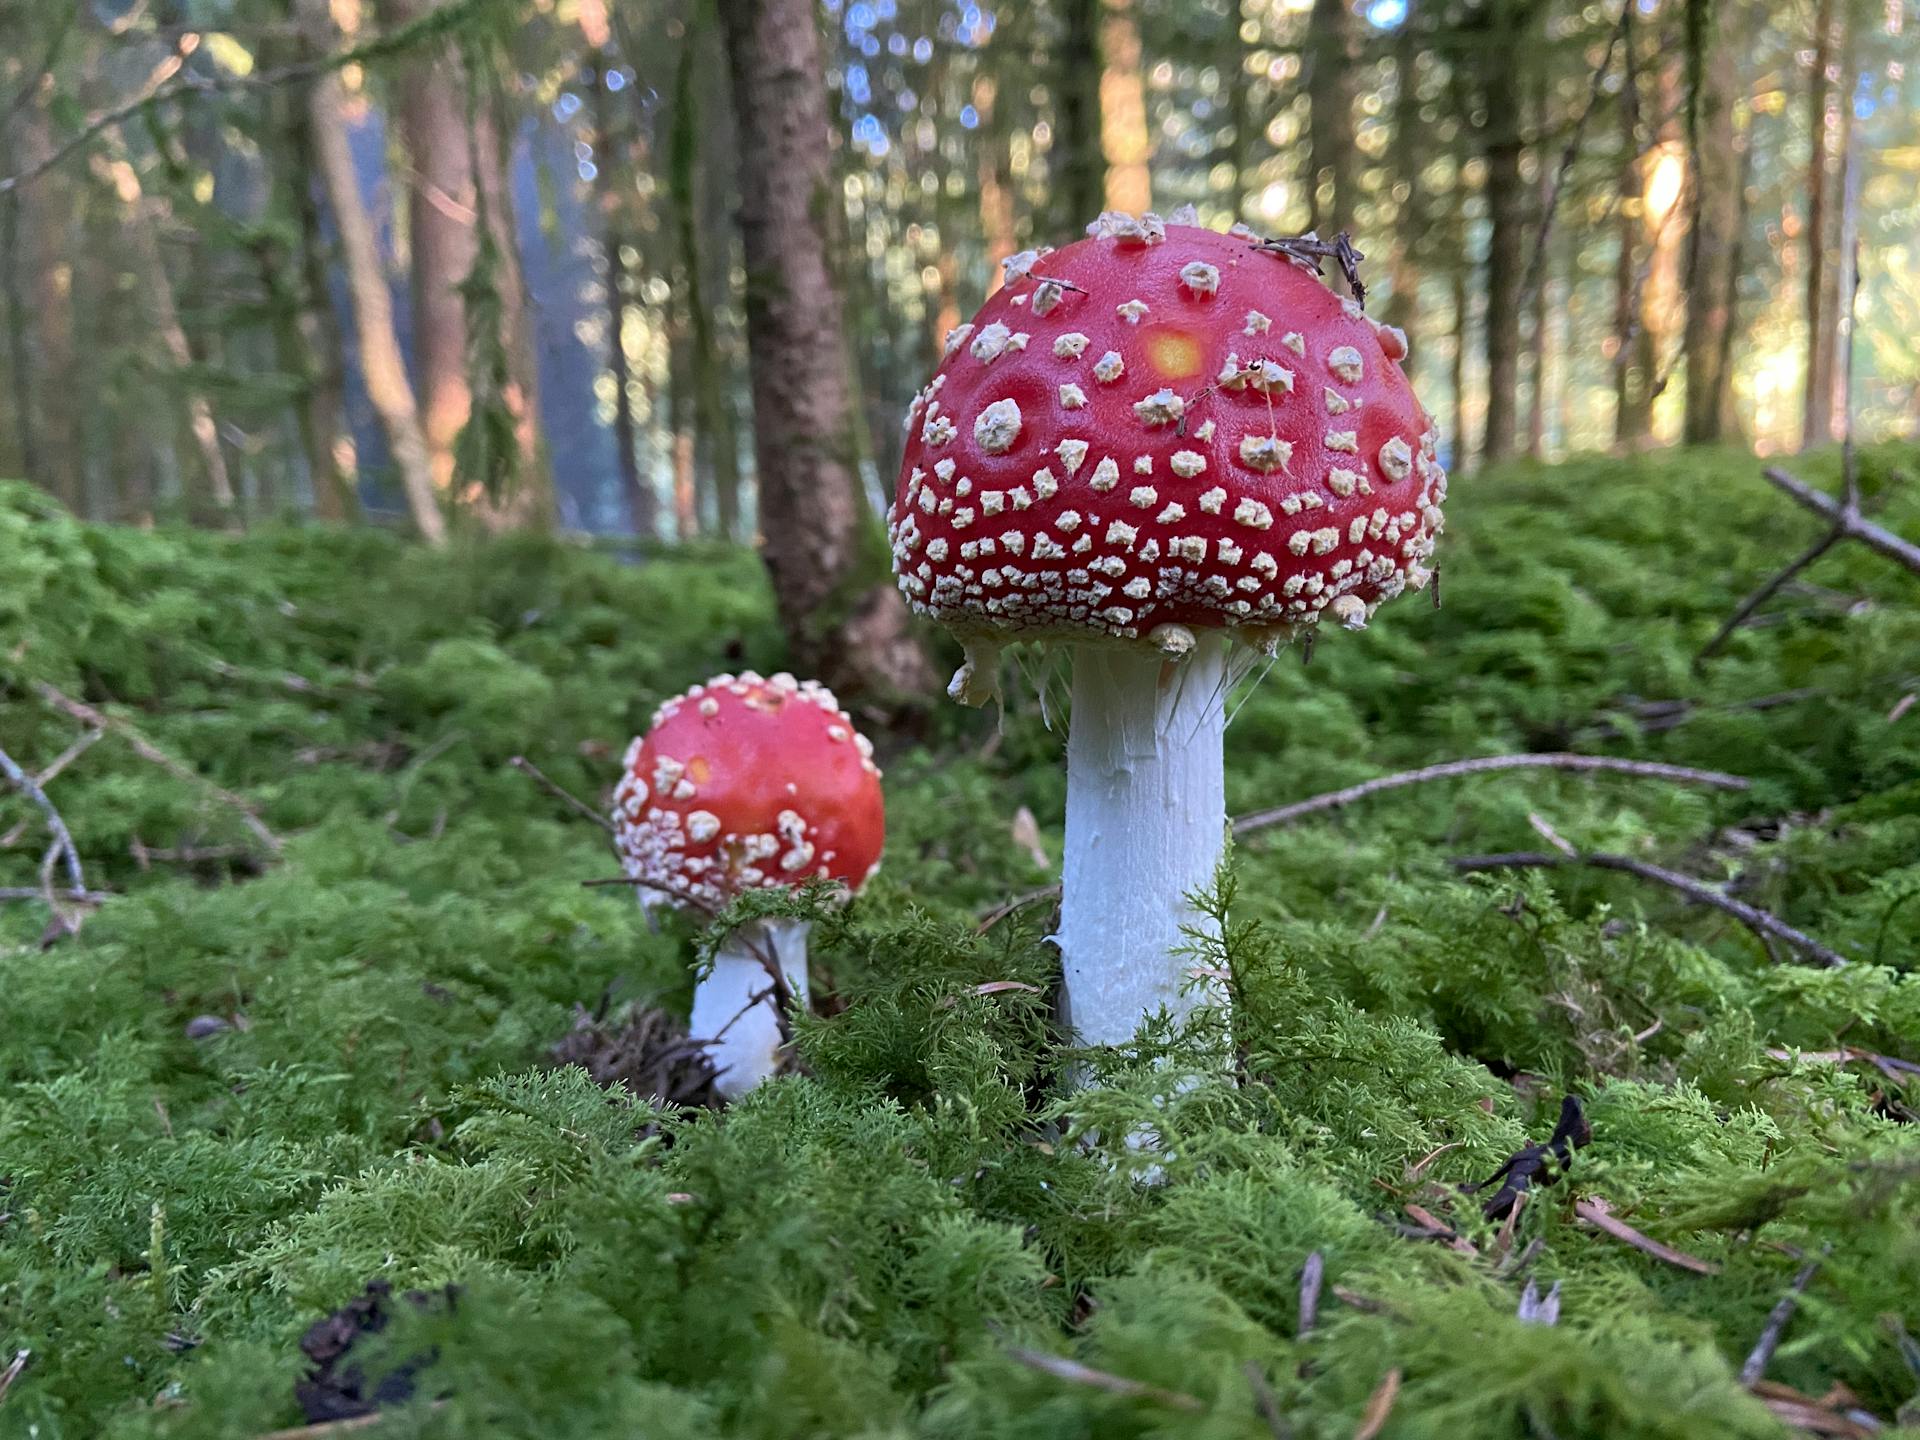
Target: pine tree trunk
[1822, 118]
[994, 183]
[1663, 218]
[1713, 230]
[1328, 56]
[1839, 270]
[211, 498]
[1123, 111]
[711, 417]
[1632, 416]
[1506, 264]
[1405, 162]
[612, 185]
[843, 618]
[1462, 321]
[1537, 327]
[1080, 176]
[1238, 144]
[381, 366]
[429, 109]
[49, 419]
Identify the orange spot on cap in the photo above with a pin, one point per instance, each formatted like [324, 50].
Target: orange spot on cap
[1174, 354]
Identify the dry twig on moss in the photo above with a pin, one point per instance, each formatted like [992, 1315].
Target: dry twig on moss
[1777, 1320]
[560, 792]
[154, 755]
[1075, 1373]
[1761, 922]
[63, 845]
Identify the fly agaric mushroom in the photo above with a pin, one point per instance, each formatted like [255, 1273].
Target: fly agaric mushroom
[1147, 445]
[745, 783]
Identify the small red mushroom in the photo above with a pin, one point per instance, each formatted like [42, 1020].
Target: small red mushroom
[745, 783]
[1150, 443]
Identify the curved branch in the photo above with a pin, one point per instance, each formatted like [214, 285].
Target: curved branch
[1759, 921]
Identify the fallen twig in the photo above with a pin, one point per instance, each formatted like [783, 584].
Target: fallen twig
[1075, 1373]
[67, 756]
[62, 837]
[12, 1372]
[1311, 1276]
[1594, 1211]
[83, 897]
[1777, 1320]
[154, 755]
[1265, 1401]
[1852, 525]
[1379, 1406]
[1755, 919]
[554, 788]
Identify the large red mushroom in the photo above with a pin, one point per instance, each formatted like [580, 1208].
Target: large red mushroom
[745, 783]
[1147, 446]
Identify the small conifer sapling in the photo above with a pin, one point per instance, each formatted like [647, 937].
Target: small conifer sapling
[1159, 448]
[745, 783]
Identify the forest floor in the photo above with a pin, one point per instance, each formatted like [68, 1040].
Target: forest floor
[313, 1038]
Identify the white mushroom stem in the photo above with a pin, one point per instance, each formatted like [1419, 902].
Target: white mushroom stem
[1146, 821]
[734, 1005]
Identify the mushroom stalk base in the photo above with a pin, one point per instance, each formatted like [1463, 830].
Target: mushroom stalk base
[732, 1006]
[1146, 821]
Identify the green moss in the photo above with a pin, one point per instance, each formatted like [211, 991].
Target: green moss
[863, 1251]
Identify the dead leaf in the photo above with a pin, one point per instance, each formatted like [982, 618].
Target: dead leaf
[1594, 1211]
[1380, 1406]
[997, 987]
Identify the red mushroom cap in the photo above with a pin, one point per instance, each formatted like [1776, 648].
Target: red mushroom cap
[1164, 425]
[746, 782]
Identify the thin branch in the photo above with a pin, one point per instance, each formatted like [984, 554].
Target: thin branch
[67, 756]
[1852, 526]
[1548, 760]
[1266, 1402]
[154, 755]
[1759, 921]
[1762, 1353]
[1311, 250]
[554, 788]
[83, 897]
[1311, 1276]
[1765, 593]
[12, 1372]
[1075, 1373]
[57, 827]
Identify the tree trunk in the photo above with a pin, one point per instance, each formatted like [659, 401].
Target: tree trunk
[212, 499]
[1405, 162]
[308, 340]
[612, 186]
[1822, 118]
[456, 174]
[1328, 59]
[1632, 417]
[381, 366]
[712, 419]
[49, 423]
[1538, 321]
[1238, 144]
[1123, 111]
[1714, 226]
[843, 618]
[1462, 445]
[1080, 171]
[1838, 301]
[995, 184]
[1506, 264]
[1663, 191]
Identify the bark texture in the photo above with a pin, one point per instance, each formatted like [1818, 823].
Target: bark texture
[381, 366]
[1123, 111]
[1328, 56]
[1822, 124]
[1711, 234]
[843, 619]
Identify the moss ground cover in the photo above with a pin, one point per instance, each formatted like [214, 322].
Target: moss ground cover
[254, 1082]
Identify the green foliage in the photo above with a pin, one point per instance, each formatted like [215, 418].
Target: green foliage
[248, 1086]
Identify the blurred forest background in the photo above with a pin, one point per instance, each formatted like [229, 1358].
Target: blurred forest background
[432, 260]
